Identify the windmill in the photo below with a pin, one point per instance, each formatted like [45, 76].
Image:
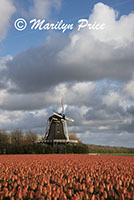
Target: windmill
[57, 131]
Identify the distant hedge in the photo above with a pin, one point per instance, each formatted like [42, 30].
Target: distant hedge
[109, 149]
[45, 149]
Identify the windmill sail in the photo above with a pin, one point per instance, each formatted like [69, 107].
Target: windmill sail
[62, 105]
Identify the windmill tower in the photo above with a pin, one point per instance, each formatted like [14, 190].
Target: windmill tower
[57, 131]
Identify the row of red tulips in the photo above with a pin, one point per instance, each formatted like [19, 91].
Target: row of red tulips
[74, 177]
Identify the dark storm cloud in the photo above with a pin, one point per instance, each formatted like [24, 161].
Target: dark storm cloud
[128, 126]
[38, 69]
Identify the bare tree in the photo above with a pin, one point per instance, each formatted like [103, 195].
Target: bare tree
[17, 137]
[72, 136]
[31, 137]
[4, 138]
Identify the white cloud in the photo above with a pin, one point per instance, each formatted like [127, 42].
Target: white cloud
[7, 9]
[42, 8]
[24, 120]
[113, 99]
[3, 95]
[112, 139]
[117, 32]
[102, 53]
[75, 93]
[4, 60]
[129, 89]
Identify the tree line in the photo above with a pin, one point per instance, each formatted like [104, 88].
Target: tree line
[17, 142]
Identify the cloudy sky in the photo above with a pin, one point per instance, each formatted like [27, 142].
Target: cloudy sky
[92, 69]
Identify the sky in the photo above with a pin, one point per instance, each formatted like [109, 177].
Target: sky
[92, 69]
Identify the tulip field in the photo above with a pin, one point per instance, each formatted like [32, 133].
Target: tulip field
[61, 177]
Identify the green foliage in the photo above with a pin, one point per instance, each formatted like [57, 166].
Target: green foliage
[80, 148]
